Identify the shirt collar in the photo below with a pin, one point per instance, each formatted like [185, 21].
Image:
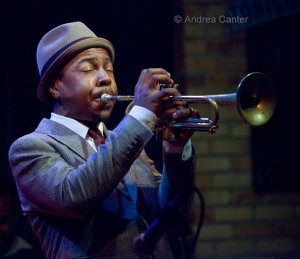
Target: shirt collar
[73, 125]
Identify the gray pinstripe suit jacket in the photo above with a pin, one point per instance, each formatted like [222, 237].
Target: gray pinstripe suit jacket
[74, 198]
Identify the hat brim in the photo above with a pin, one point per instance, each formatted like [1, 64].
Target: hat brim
[64, 57]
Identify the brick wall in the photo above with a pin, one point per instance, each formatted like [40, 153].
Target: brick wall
[238, 223]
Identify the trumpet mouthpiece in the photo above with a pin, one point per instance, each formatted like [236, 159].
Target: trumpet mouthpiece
[105, 98]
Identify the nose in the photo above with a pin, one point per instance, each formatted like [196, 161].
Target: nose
[104, 79]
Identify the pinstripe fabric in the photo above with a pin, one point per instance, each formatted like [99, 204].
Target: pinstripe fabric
[73, 196]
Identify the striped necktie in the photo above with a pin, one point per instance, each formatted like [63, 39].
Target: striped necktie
[97, 136]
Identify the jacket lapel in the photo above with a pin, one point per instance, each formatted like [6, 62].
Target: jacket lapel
[79, 146]
[67, 137]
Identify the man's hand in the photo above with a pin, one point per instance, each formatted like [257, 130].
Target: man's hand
[147, 91]
[177, 111]
[148, 95]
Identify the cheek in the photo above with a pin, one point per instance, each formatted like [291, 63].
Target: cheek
[77, 88]
[114, 88]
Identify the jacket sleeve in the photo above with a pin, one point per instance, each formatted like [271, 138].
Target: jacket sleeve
[178, 177]
[49, 184]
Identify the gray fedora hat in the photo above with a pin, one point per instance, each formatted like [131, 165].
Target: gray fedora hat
[59, 46]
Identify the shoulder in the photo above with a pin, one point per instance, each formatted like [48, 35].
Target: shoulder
[34, 139]
[29, 143]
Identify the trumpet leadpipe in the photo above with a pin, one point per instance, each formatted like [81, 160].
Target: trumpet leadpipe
[220, 99]
[105, 98]
[108, 98]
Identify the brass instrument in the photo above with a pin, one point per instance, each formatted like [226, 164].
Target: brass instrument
[255, 101]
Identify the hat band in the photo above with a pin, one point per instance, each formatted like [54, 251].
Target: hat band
[57, 54]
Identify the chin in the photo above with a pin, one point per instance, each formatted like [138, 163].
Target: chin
[104, 116]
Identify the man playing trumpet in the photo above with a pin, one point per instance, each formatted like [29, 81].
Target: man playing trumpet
[87, 194]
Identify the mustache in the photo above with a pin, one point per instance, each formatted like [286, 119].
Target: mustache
[106, 90]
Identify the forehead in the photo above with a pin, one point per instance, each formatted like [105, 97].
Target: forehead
[93, 52]
[99, 54]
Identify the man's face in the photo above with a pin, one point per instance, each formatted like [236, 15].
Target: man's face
[82, 82]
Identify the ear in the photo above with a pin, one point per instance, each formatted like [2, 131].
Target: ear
[53, 89]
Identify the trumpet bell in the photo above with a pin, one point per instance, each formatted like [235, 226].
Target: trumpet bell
[256, 99]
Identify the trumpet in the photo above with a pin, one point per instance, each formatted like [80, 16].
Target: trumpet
[255, 101]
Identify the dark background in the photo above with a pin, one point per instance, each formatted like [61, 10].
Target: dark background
[273, 48]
